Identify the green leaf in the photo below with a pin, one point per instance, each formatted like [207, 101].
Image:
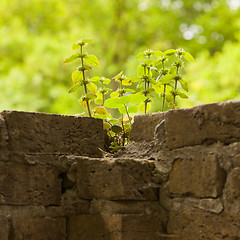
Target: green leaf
[107, 90]
[132, 108]
[114, 94]
[184, 85]
[116, 129]
[87, 40]
[170, 52]
[122, 109]
[106, 125]
[100, 110]
[136, 98]
[169, 97]
[90, 96]
[75, 46]
[82, 102]
[166, 79]
[91, 60]
[74, 88]
[119, 75]
[140, 70]
[92, 87]
[116, 102]
[141, 107]
[140, 56]
[71, 58]
[129, 90]
[181, 94]
[135, 79]
[106, 81]
[113, 120]
[77, 76]
[98, 101]
[95, 79]
[188, 57]
[158, 53]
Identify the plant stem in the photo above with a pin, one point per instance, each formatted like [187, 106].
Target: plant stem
[85, 85]
[123, 140]
[164, 92]
[128, 114]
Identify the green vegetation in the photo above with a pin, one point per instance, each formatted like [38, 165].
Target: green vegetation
[35, 37]
[128, 99]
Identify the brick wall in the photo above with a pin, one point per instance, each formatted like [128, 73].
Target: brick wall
[179, 178]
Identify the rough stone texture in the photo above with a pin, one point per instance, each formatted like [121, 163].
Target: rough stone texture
[49, 133]
[115, 227]
[198, 225]
[231, 194]
[3, 140]
[24, 184]
[191, 177]
[203, 124]
[143, 127]
[38, 229]
[4, 228]
[116, 179]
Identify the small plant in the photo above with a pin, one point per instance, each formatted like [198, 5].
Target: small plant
[158, 73]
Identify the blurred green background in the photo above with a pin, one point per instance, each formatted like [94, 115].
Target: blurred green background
[37, 35]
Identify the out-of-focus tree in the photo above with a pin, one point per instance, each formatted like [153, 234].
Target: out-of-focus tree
[36, 36]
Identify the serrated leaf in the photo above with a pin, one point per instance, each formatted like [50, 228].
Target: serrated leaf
[77, 76]
[158, 53]
[184, 85]
[116, 129]
[116, 102]
[140, 56]
[114, 94]
[91, 60]
[170, 52]
[188, 57]
[71, 58]
[135, 79]
[75, 46]
[132, 108]
[100, 110]
[92, 87]
[74, 88]
[181, 94]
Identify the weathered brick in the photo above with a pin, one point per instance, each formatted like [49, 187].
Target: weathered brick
[39, 228]
[3, 140]
[231, 193]
[144, 126]
[197, 177]
[199, 225]
[51, 133]
[4, 228]
[115, 227]
[24, 184]
[203, 124]
[116, 179]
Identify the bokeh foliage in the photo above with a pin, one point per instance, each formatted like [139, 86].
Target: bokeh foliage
[36, 36]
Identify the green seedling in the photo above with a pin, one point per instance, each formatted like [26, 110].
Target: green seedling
[79, 75]
[158, 73]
